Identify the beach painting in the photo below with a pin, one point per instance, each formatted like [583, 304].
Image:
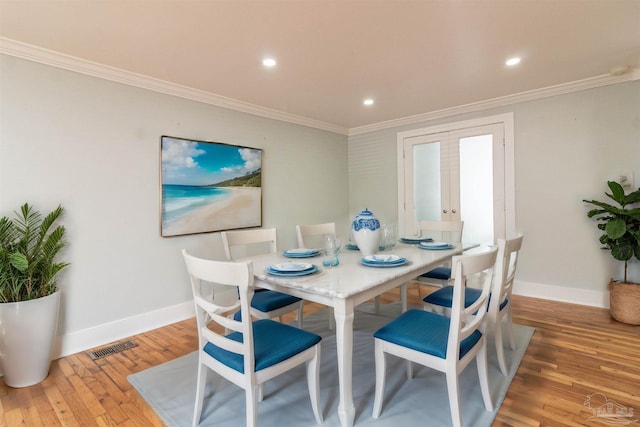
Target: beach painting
[209, 186]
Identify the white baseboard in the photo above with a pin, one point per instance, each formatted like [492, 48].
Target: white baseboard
[113, 331]
[563, 294]
[109, 332]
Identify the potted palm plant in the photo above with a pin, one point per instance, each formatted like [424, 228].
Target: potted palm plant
[29, 295]
[620, 223]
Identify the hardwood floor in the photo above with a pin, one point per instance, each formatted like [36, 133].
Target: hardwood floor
[575, 352]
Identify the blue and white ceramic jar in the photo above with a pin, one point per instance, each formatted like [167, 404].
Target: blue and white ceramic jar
[366, 232]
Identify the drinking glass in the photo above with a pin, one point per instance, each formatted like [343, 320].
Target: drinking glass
[331, 251]
[388, 236]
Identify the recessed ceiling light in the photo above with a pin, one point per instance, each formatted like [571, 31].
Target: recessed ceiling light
[269, 62]
[368, 101]
[512, 61]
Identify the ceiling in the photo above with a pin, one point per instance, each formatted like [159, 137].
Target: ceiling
[412, 57]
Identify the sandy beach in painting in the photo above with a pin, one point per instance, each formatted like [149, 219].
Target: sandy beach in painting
[242, 208]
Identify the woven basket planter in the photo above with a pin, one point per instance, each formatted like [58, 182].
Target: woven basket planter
[625, 302]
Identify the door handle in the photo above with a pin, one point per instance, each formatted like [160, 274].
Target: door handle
[444, 211]
[453, 211]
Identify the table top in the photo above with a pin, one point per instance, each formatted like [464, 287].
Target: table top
[351, 277]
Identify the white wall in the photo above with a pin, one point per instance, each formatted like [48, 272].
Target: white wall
[566, 148]
[93, 146]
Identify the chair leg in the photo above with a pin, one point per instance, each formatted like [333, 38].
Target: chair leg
[376, 303]
[381, 368]
[409, 366]
[260, 392]
[202, 381]
[313, 382]
[403, 296]
[497, 335]
[454, 396]
[512, 343]
[300, 314]
[332, 325]
[251, 394]
[483, 377]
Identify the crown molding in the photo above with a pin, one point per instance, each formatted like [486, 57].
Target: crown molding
[71, 63]
[560, 89]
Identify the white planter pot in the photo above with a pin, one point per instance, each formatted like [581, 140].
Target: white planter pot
[27, 334]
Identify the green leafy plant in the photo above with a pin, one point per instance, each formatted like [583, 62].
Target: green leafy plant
[621, 224]
[29, 245]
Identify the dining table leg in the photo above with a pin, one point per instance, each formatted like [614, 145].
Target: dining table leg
[343, 312]
[403, 296]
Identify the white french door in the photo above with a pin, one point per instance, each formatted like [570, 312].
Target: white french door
[455, 172]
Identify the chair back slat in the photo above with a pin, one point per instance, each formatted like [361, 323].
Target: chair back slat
[221, 341]
[219, 314]
[313, 230]
[465, 322]
[446, 231]
[233, 241]
[506, 265]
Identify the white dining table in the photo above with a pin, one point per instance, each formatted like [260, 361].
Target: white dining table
[344, 287]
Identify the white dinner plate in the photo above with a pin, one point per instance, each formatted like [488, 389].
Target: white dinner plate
[401, 261]
[385, 259]
[414, 239]
[435, 245]
[291, 267]
[311, 270]
[300, 253]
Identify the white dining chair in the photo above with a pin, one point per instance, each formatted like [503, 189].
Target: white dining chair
[310, 236]
[446, 344]
[443, 231]
[253, 352]
[500, 311]
[266, 304]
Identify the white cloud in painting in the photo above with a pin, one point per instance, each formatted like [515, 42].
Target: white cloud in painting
[251, 159]
[178, 156]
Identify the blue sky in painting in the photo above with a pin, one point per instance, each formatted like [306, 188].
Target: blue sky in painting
[186, 162]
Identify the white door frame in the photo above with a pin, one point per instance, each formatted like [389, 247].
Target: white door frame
[506, 120]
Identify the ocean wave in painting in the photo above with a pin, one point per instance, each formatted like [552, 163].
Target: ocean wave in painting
[181, 200]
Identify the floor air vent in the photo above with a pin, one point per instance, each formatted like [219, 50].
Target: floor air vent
[112, 349]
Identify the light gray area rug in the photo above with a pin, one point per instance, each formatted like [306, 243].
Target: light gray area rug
[170, 388]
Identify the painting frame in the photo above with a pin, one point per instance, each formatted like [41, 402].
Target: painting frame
[208, 186]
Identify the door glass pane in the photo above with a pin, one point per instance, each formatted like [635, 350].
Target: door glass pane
[426, 181]
[476, 188]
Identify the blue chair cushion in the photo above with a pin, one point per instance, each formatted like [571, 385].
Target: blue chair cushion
[444, 296]
[440, 273]
[266, 300]
[425, 332]
[273, 342]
